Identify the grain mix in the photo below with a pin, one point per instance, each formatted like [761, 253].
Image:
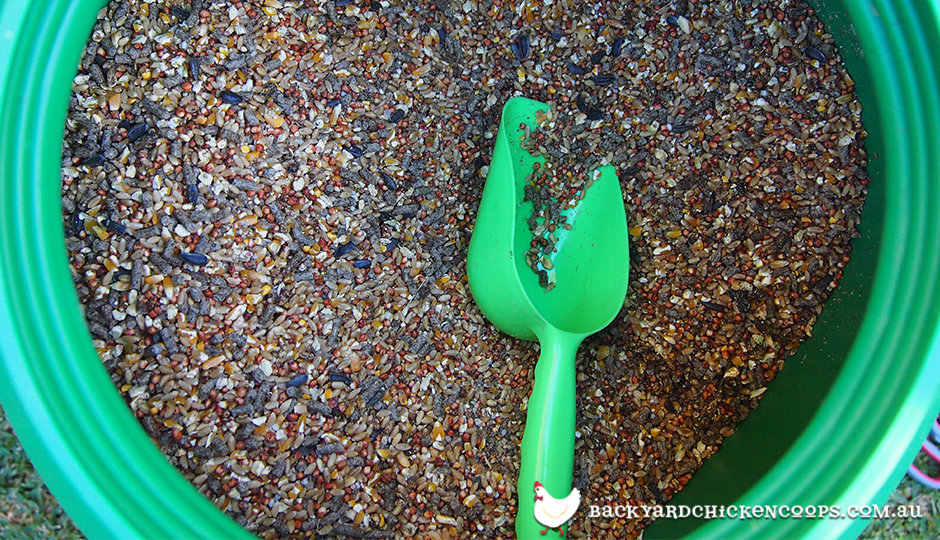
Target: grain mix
[267, 207]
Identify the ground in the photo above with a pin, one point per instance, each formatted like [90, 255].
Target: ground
[27, 510]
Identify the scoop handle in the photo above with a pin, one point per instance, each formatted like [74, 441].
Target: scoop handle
[547, 454]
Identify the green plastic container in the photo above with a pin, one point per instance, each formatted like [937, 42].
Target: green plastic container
[838, 427]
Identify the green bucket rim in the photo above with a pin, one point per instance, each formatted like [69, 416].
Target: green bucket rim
[115, 483]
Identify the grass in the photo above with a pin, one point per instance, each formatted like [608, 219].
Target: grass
[910, 492]
[29, 512]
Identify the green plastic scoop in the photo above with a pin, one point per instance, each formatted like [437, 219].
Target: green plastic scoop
[591, 267]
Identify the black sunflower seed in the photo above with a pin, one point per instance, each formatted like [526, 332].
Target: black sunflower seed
[397, 116]
[192, 194]
[576, 69]
[520, 47]
[194, 67]
[230, 97]
[333, 102]
[601, 80]
[135, 133]
[815, 54]
[179, 13]
[344, 249]
[299, 380]
[673, 20]
[195, 259]
[617, 47]
[595, 114]
[77, 224]
[94, 161]
[362, 264]
[681, 128]
[355, 150]
[389, 182]
[598, 57]
[582, 105]
[714, 307]
[340, 377]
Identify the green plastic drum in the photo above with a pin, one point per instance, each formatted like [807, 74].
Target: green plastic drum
[838, 427]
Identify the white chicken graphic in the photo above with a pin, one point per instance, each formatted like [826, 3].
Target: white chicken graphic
[552, 512]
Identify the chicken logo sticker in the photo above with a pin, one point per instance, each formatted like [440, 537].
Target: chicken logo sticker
[552, 512]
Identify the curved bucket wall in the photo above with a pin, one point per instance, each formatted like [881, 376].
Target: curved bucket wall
[838, 427]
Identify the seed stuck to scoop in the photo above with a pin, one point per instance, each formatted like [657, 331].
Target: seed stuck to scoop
[554, 186]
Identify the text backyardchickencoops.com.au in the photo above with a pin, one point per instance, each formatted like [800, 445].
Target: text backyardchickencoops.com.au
[741, 512]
